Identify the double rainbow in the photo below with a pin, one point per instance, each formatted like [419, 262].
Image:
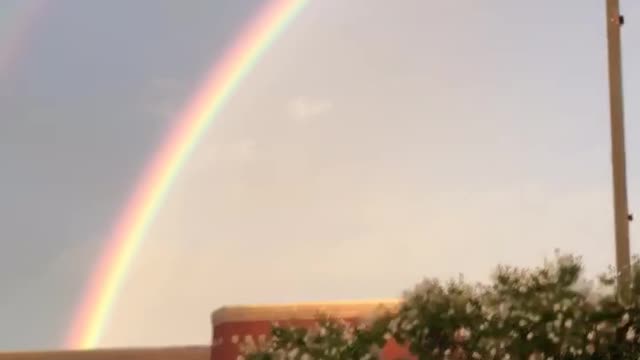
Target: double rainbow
[130, 229]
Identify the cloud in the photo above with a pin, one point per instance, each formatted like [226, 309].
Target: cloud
[303, 109]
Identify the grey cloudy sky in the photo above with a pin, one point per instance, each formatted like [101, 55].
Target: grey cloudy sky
[374, 144]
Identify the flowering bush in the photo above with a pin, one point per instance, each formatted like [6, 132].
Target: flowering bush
[546, 313]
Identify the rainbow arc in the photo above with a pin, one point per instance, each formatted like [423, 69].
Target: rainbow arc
[129, 231]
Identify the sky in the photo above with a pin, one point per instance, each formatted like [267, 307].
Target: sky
[374, 144]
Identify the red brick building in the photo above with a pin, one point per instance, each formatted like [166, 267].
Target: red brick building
[236, 322]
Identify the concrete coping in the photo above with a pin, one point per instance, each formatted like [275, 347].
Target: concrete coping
[300, 311]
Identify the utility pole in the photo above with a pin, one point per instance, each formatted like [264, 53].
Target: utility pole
[618, 160]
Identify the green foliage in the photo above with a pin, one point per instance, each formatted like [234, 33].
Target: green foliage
[550, 312]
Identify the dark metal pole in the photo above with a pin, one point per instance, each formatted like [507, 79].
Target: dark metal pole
[618, 161]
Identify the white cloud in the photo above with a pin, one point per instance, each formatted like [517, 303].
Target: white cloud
[302, 108]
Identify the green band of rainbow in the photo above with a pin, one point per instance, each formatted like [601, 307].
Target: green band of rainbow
[129, 232]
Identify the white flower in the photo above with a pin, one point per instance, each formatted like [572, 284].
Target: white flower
[323, 331]
[393, 325]
[529, 336]
[462, 334]
[591, 335]
[625, 319]
[631, 334]
[568, 323]
[469, 308]
[292, 354]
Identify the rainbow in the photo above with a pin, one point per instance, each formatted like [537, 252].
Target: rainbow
[128, 234]
[16, 24]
